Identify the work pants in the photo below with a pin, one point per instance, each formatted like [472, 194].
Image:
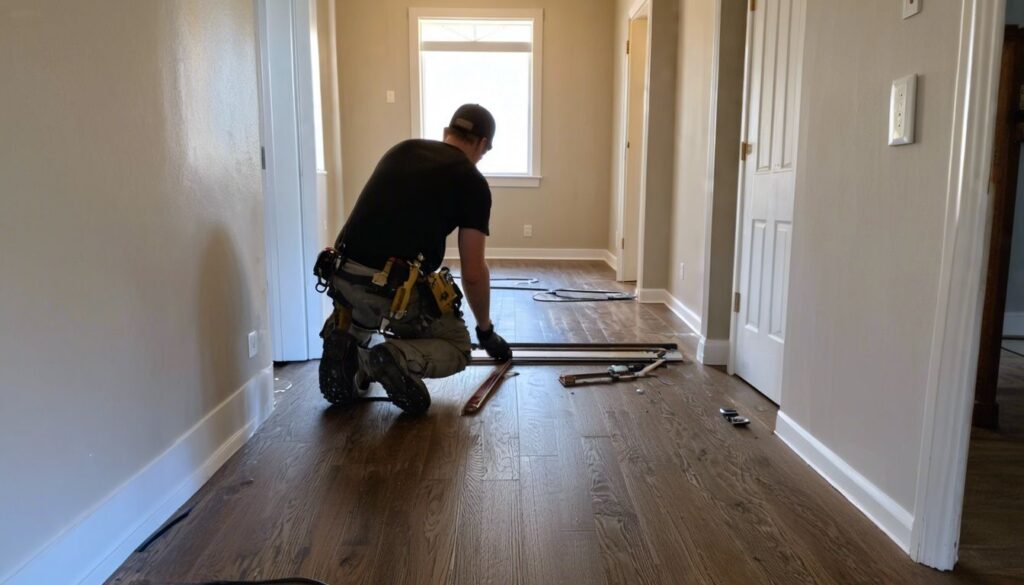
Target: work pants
[430, 346]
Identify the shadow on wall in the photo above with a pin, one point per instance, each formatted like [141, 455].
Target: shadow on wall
[224, 318]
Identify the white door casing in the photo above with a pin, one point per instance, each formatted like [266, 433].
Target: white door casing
[636, 138]
[297, 310]
[771, 111]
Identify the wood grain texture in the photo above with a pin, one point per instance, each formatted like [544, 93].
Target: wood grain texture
[545, 485]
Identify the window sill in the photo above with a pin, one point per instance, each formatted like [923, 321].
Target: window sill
[515, 181]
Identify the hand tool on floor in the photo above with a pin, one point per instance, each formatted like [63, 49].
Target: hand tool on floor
[733, 416]
[494, 379]
[615, 373]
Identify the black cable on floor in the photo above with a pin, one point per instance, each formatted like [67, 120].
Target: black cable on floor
[1004, 348]
[160, 531]
[569, 295]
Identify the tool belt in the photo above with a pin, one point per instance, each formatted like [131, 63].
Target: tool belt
[395, 281]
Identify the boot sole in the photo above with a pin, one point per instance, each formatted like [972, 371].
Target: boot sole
[405, 392]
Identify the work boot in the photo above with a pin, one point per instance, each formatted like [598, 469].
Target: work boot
[339, 368]
[408, 392]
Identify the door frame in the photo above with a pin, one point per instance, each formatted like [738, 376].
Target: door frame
[1005, 165]
[303, 18]
[639, 8]
[952, 370]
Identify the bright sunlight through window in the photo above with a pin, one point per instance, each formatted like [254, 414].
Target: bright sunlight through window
[491, 59]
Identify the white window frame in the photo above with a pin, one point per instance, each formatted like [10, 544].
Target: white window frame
[533, 178]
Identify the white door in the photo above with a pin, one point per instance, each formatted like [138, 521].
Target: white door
[288, 86]
[772, 112]
[636, 116]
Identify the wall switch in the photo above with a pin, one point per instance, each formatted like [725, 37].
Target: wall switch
[389, 95]
[527, 231]
[902, 106]
[911, 7]
[254, 344]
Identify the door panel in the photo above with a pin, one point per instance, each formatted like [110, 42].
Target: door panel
[772, 110]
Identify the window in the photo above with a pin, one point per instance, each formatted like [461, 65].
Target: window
[489, 57]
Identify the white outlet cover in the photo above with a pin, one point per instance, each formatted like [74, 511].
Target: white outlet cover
[911, 7]
[254, 345]
[528, 230]
[902, 110]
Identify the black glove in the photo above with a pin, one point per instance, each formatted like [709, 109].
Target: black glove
[494, 344]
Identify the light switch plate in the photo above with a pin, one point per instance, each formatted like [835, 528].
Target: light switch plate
[389, 95]
[911, 7]
[902, 107]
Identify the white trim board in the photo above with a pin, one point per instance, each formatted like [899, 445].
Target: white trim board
[660, 295]
[1013, 324]
[92, 547]
[878, 506]
[599, 254]
[953, 356]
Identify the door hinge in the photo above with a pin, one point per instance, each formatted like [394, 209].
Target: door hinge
[627, 47]
[753, 5]
[735, 302]
[745, 149]
[627, 144]
[622, 244]
[263, 158]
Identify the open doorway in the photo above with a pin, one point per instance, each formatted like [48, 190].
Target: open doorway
[993, 509]
[635, 148]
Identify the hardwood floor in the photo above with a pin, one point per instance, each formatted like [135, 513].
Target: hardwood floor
[596, 484]
[992, 537]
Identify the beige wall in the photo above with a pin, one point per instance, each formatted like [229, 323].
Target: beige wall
[692, 143]
[867, 234]
[569, 209]
[131, 224]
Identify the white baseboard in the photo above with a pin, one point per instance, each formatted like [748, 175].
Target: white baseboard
[713, 352]
[660, 295]
[1013, 324]
[90, 549]
[879, 507]
[611, 260]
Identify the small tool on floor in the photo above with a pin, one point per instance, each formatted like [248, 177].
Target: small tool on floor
[734, 418]
[614, 373]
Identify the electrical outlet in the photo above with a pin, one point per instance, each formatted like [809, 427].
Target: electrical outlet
[901, 110]
[527, 231]
[682, 271]
[911, 7]
[389, 95]
[254, 344]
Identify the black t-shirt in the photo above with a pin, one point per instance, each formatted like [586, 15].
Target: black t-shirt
[419, 193]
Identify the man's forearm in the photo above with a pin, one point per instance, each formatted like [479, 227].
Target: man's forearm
[478, 293]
